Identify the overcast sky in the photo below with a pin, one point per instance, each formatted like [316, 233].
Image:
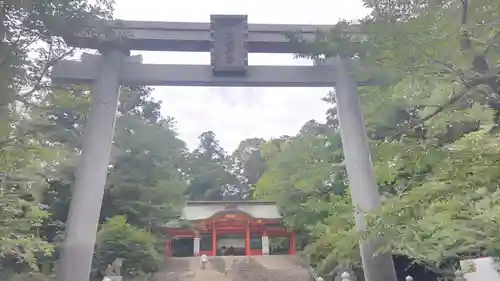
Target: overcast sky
[234, 114]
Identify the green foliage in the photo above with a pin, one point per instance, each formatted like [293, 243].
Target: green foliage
[118, 239]
[433, 133]
[248, 164]
[209, 173]
[27, 159]
[457, 210]
[145, 183]
[19, 219]
[306, 178]
[41, 132]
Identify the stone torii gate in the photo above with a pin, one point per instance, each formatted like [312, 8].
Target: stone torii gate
[229, 39]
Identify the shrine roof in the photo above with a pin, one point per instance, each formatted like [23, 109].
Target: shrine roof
[201, 210]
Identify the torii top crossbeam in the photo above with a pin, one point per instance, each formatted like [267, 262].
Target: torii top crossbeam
[228, 38]
[197, 36]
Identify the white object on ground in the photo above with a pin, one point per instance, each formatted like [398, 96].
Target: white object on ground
[480, 269]
[204, 258]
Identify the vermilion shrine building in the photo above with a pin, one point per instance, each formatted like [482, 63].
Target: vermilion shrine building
[218, 228]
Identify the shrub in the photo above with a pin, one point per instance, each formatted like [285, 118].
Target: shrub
[118, 239]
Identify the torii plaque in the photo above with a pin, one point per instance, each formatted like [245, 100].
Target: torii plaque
[229, 54]
[229, 38]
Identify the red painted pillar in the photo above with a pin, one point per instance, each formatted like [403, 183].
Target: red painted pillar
[292, 243]
[247, 240]
[214, 240]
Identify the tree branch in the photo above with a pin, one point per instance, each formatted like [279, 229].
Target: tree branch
[437, 111]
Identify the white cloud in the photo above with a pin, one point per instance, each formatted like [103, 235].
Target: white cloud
[238, 113]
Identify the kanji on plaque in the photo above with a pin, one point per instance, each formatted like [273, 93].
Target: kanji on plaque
[229, 55]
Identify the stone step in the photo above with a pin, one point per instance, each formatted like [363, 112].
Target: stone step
[279, 262]
[233, 268]
[177, 264]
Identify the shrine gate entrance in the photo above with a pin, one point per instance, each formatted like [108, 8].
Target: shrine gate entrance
[229, 39]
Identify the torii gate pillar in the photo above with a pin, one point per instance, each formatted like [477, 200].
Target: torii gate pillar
[77, 252]
[362, 184]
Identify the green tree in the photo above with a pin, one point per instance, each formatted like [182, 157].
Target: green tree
[433, 129]
[209, 172]
[20, 218]
[147, 157]
[248, 164]
[145, 182]
[41, 130]
[29, 46]
[306, 178]
[119, 239]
